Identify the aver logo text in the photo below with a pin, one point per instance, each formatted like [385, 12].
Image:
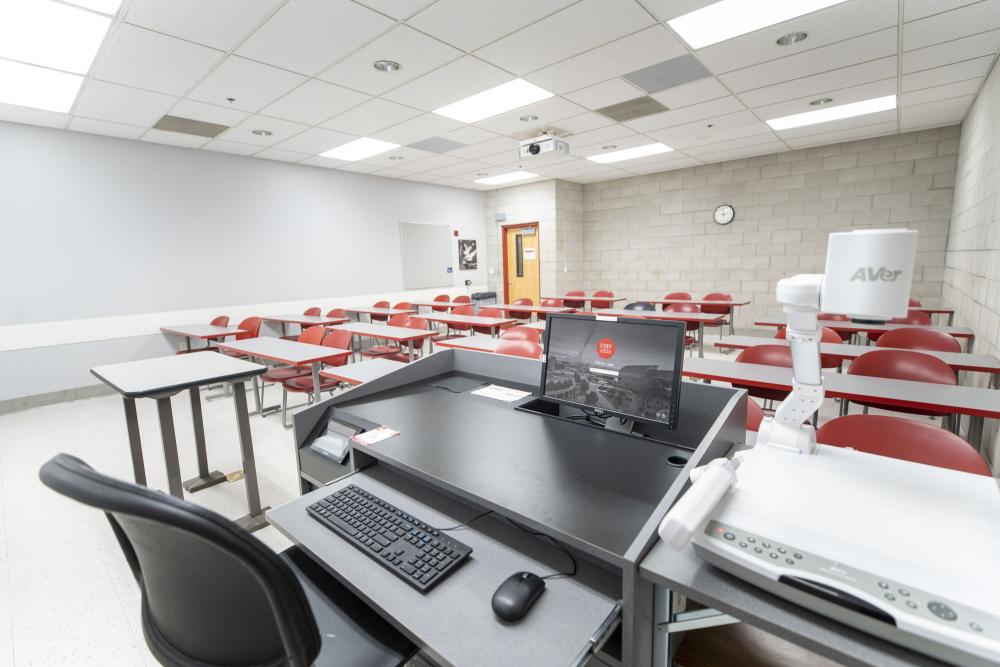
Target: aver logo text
[870, 274]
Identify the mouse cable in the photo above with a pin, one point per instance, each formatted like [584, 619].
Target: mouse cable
[464, 523]
[571, 573]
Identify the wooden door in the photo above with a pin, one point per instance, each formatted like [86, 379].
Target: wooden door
[521, 263]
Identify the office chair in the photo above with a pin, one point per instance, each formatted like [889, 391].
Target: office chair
[919, 339]
[602, 304]
[902, 365]
[640, 305]
[212, 594]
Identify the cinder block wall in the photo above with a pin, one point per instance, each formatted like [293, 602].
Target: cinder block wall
[972, 273]
[648, 235]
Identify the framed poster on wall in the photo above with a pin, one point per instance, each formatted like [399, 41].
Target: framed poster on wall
[468, 258]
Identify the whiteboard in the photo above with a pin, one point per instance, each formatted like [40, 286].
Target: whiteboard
[426, 255]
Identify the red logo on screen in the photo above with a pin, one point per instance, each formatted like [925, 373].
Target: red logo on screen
[605, 348]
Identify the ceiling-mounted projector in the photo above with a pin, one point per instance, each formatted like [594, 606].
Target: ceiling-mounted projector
[545, 143]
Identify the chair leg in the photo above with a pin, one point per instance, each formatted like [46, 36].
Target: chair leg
[865, 410]
[284, 406]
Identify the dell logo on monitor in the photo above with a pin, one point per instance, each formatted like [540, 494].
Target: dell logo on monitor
[871, 274]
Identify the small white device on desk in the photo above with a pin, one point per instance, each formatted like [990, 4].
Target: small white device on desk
[904, 551]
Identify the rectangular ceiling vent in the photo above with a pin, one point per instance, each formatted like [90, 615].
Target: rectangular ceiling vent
[190, 126]
[632, 109]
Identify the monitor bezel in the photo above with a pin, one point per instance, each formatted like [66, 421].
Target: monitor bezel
[630, 321]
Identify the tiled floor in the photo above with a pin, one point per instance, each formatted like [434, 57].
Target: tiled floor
[66, 594]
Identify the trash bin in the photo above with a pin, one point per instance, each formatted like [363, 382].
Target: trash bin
[483, 299]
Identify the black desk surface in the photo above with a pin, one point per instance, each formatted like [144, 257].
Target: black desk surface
[591, 488]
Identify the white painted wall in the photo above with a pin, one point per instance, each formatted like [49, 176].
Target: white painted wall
[103, 238]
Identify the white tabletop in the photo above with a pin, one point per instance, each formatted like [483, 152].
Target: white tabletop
[362, 371]
[369, 310]
[281, 350]
[904, 393]
[441, 304]
[659, 315]
[203, 331]
[957, 360]
[305, 320]
[529, 309]
[477, 343]
[567, 297]
[698, 302]
[840, 325]
[384, 331]
[160, 375]
[474, 320]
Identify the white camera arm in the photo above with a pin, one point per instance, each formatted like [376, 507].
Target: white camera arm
[868, 275]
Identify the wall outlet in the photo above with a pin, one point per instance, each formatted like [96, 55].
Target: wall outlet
[492, 270]
[468, 282]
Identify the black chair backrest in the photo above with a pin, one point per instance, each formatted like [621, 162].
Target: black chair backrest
[212, 594]
[640, 305]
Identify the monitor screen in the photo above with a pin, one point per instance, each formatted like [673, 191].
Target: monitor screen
[630, 367]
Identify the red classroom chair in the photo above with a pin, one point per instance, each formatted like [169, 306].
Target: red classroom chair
[397, 320]
[844, 336]
[520, 314]
[520, 348]
[522, 333]
[304, 383]
[488, 312]
[380, 318]
[462, 298]
[336, 312]
[462, 328]
[308, 312]
[676, 295]
[312, 336]
[251, 327]
[827, 335]
[555, 303]
[917, 317]
[915, 303]
[902, 365]
[403, 354]
[755, 415]
[573, 303]
[444, 298]
[919, 339]
[904, 439]
[768, 355]
[602, 304]
[719, 310]
[689, 326]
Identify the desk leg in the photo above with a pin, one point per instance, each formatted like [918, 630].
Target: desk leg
[187, 343]
[969, 343]
[205, 478]
[169, 437]
[256, 394]
[701, 340]
[134, 443]
[976, 432]
[951, 318]
[315, 374]
[409, 349]
[254, 520]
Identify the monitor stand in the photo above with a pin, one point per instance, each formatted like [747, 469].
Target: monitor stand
[544, 406]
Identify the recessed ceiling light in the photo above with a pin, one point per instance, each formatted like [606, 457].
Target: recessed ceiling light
[262, 133]
[388, 66]
[821, 101]
[730, 18]
[395, 157]
[791, 38]
[37, 87]
[51, 34]
[631, 153]
[530, 118]
[834, 113]
[609, 147]
[359, 149]
[497, 100]
[507, 178]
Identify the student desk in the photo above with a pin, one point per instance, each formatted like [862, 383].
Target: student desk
[599, 493]
[857, 327]
[474, 343]
[733, 304]
[303, 321]
[200, 332]
[385, 332]
[448, 319]
[950, 312]
[975, 402]
[701, 318]
[362, 371]
[588, 299]
[533, 310]
[439, 304]
[162, 377]
[289, 352]
[959, 361]
[387, 312]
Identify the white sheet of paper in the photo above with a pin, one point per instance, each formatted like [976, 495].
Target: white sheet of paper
[501, 393]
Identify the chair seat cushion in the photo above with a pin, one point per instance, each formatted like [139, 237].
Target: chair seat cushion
[351, 632]
[305, 384]
[379, 350]
[286, 373]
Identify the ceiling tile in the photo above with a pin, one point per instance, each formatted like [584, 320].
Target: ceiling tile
[725, 126]
[937, 93]
[106, 128]
[252, 85]
[221, 24]
[470, 134]
[408, 154]
[27, 116]
[549, 112]
[833, 24]
[467, 26]
[585, 122]
[599, 136]
[121, 104]
[704, 110]
[393, 172]
[578, 28]
[146, 59]
[608, 145]
[374, 115]
[280, 131]
[415, 129]
[947, 26]
[315, 140]
[233, 147]
[435, 162]
[970, 69]
[748, 151]
[491, 147]
[845, 77]
[851, 134]
[327, 163]
[918, 9]
[321, 31]
[668, 74]
[868, 120]
[397, 9]
[982, 44]
[766, 137]
[416, 52]
[605, 94]
[695, 92]
[865, 91]
[280, 155]
[174, 139]
[850, 52]
[644, 48]
[935, 114]
[208, 113]
[456, 80]
[314, 102]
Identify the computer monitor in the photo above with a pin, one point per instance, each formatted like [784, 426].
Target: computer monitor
[629, 367]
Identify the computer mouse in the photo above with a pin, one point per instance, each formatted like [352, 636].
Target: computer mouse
[516, 594]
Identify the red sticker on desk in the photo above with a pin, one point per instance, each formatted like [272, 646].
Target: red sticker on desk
[373, 436]
[605, 348]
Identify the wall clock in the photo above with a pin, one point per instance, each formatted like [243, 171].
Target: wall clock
[724, 214]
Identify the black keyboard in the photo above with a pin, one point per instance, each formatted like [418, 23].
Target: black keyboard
[406, 546]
